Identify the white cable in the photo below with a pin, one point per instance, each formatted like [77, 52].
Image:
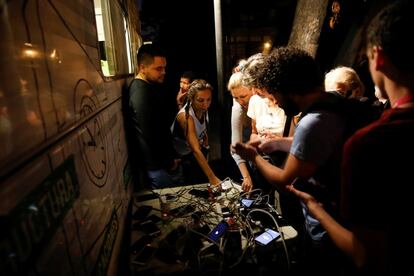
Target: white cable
[278, 229]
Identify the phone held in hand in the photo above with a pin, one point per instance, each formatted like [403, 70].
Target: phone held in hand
[267, 236]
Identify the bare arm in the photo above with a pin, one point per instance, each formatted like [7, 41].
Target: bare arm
[280, 178]
[273, 144]
[293, 169]
[247, 183]
[195, 147]
[254, 136]
[237, 136]
[180, 98]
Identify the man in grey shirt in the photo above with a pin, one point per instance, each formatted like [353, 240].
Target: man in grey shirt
[294, 79]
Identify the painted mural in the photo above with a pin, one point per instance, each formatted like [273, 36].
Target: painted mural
[63, 191]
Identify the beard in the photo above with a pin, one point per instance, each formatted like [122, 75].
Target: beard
[289, 106]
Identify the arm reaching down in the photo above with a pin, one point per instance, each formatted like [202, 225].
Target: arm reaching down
[196, 147]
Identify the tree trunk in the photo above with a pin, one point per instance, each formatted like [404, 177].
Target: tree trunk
[307, 25]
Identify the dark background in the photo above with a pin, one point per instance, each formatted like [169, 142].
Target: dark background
[186, 29]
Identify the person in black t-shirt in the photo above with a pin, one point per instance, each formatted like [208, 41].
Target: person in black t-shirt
[150, 125]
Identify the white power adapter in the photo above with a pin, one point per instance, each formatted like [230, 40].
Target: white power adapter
[226, 185]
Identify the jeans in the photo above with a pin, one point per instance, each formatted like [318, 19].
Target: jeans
[162, 179]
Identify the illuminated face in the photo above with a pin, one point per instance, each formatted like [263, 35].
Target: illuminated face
[242, 95]
[184, 84]
[155, 72]
[202, 100]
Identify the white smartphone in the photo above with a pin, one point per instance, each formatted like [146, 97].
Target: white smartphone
[247, 202]
[225, 185]
[267, 236]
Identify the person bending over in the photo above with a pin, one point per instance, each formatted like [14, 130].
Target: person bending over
[190, 132]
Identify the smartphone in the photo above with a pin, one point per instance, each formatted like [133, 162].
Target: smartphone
[247, 202]
[150, 228]
[218, 231]
[142, 212]
[182, 210]
[267, 236]
[154, 218]
[141, 243]
[199, 193]
[225, 209]
[144, 255]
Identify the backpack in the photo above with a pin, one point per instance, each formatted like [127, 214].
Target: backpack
[357, 114]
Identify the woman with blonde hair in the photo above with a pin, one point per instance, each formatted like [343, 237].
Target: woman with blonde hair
[242, 86]
[344, 81]
[241, 124]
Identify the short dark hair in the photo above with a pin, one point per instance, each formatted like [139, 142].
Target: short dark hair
[289, 70]
[147, 52]
[391, 29]
[188, 75]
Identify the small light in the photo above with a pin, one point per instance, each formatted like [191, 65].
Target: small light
[29, 51]
[53, 54]
[33, 207]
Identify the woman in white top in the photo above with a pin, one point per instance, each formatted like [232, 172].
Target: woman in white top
[268, 119]
[243, 85]
[191, 138]
[240, 123]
